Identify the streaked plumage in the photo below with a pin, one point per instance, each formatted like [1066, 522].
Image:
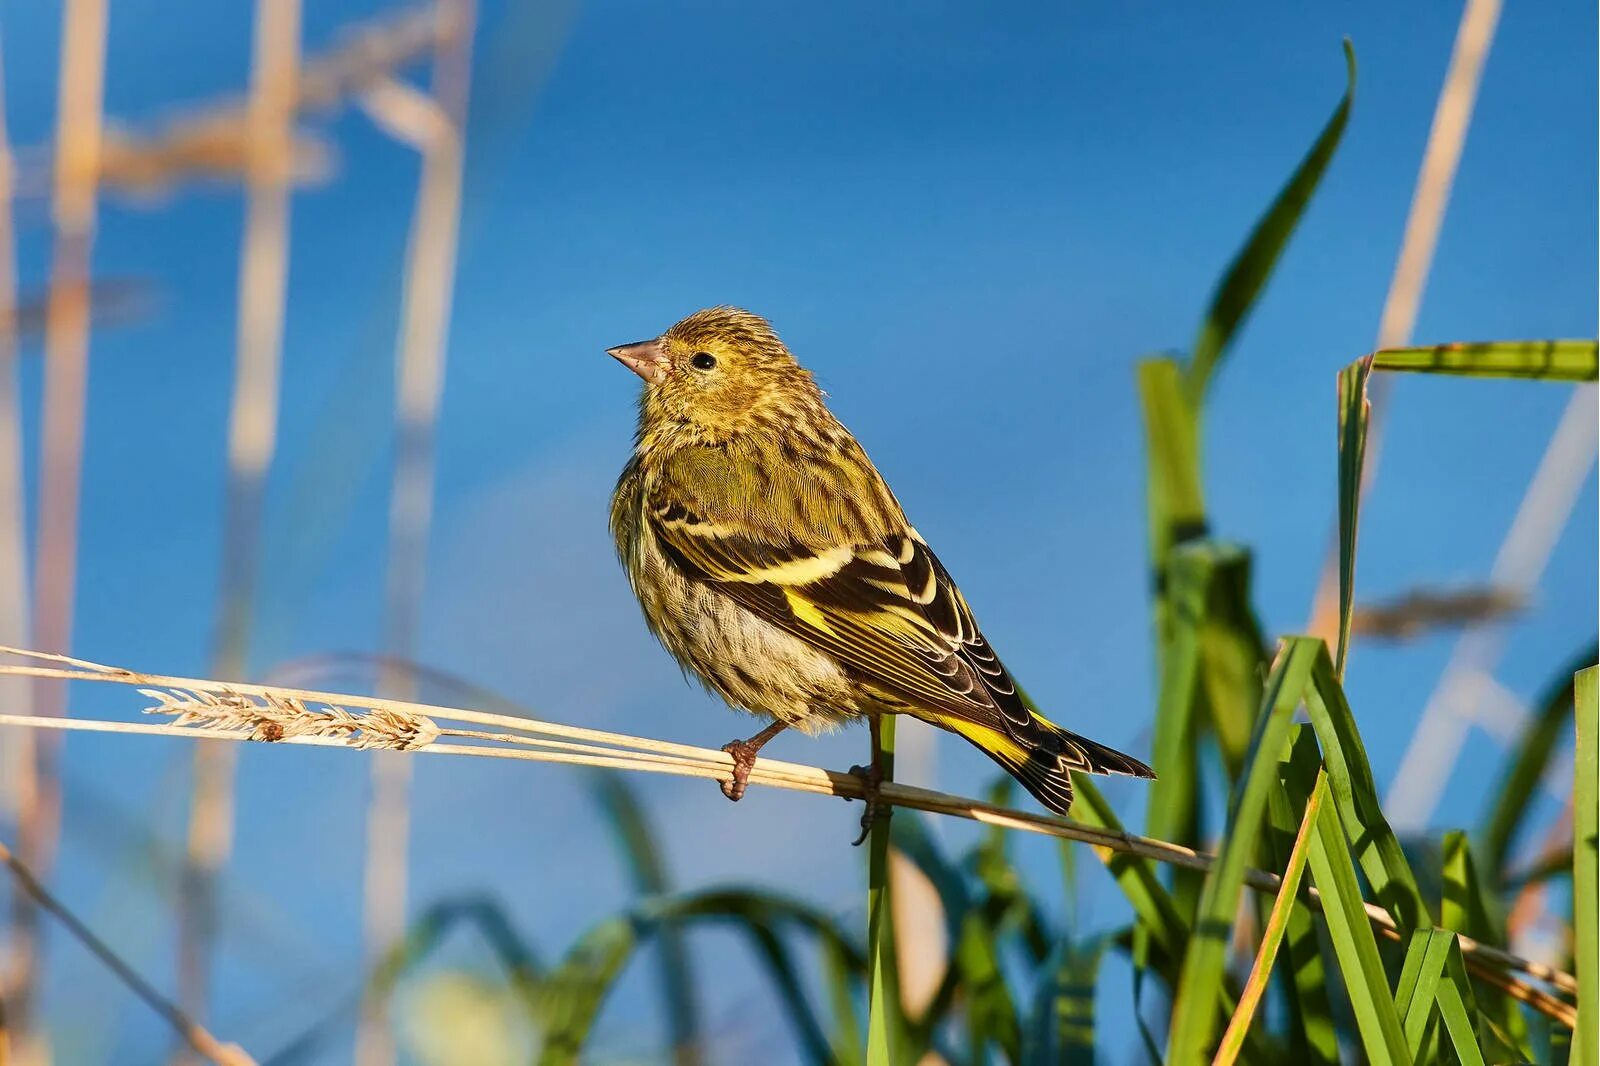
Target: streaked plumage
[774, 563]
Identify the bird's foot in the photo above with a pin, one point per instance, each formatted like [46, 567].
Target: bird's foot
[744, 758]
[871, 777]
[743, 753]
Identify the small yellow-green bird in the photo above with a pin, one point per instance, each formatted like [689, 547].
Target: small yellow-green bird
[774, 563]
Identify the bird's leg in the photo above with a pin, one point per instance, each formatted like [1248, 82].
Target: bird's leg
[871, 778]
[744, 757]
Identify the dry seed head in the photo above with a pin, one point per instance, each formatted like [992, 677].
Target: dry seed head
[273, 717]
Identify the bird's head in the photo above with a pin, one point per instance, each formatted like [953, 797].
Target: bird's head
[717, 373]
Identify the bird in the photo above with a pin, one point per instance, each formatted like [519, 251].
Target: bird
[773, 562]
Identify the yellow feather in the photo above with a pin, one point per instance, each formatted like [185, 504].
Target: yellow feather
[807, 611]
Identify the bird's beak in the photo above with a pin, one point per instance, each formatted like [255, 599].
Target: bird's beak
[644, 358]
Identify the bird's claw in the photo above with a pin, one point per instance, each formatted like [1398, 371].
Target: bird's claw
[871, 777]
[743, 754]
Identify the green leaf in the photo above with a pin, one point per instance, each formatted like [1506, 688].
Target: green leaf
[847, 1039]
[573, 993]
[1586, 868]
[576, 989]
[1313, 1036]
[1175, 793]
[1418, 988]
[1466, 908]
[1354, 412]
[886, 1035]
[435, 923]
[1176, 499]
[1194, 1012]
[1272, 933]
[1544, 360]
[1526, 766]
[1457, 1009]
[1062, 1031]
[1355, 796]
[976, 932]
[1434, 984]
[1135, 875]
[1248, 273]
[1233, 656]
[1354, 946]
[650, 878]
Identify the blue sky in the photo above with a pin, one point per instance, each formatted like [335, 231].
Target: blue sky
[969, 221]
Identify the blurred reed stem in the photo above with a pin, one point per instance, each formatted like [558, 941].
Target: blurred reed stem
[194, 1035]
[77, 152]
[1451, 118]
[529, 740]
[252, 433]
[425, 320]
[16, 749]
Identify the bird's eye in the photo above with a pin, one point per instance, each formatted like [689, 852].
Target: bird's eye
[703, 360]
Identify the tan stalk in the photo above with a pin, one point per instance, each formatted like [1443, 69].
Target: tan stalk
[16, 748]
[252, 434]
[528, 739]
[66, 381]
[191, 1032]
[1451, 118]
[212, 140]
[425, 320]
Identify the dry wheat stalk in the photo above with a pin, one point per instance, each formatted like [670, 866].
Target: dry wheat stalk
[212, 140]
[272, 717]
[529, 740]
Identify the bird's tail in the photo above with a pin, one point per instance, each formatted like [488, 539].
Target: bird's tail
[1043, 756]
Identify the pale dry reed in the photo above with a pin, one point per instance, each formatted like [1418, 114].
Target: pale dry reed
[541, 741]
[1452, 117]
[427, 289]
[66, 383]
[211, 141]
[252, 439]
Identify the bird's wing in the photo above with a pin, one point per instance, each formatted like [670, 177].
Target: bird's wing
[862, 586]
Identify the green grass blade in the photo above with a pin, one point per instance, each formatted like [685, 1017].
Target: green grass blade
[1586, 869]
[1417, 993]
[1272, 934]
[1355, 796]
[431, 927]
[575, 990]
[975, 931]
[1460, 1013]
[1248, 273]
[1377, 1021]
[1354, 413]
[991, 1012]
[1175, 496]
[1544, 360]
[1526, 765]
[1135, 875]
[780, 966]
[1062, 1030]
[764, 918]
[1313, 1035]
[1175, 793]
[1233, 656]
[1465, 908]
[650, 878]
[573, 993]
[847, 1040]
[885, 1023]
[1194, 1012]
